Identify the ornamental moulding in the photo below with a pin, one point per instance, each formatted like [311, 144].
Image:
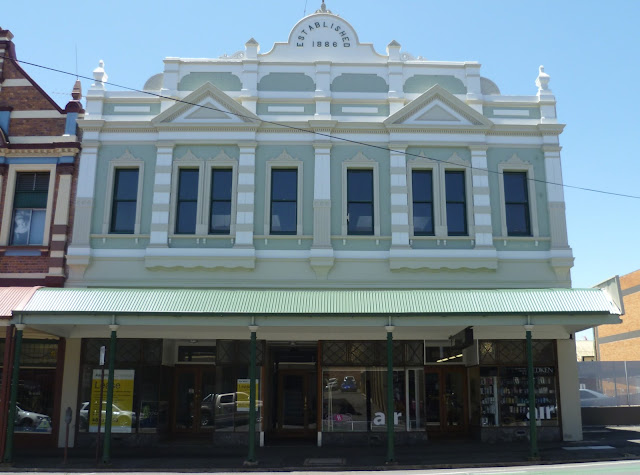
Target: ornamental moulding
[284, 157]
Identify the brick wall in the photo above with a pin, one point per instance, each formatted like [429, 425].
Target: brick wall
[34, 98]
[629, 348]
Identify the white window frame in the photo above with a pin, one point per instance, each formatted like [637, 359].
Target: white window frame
[457, 164]
[423, 163]
[283, 161]
[125, 161]
[7, 212]
[222, 161]
[516, 164]
[361, 162]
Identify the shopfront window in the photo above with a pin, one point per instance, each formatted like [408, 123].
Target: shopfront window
[140, 400]
[35, 398]
[355, 399]
[504, 386]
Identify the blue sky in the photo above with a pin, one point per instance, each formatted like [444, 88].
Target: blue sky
[589, 48]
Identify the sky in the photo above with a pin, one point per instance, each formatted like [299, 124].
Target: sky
[589, 48]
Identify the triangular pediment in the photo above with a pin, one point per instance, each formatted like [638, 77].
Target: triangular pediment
[207, 105]
[438, 106]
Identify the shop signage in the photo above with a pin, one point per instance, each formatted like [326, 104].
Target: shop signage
[323, 34]
[463, 339]
[380, 418]
[122, 416]
[243, 387]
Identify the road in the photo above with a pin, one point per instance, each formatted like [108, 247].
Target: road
[616, 467]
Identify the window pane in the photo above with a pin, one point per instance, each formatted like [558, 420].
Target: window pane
[283, 217]
[422, 186]
[36, 235]
[30, 199]
[31, 190]
[220, 217]
[515, 187]
[21, 226]
[186, 222]
[360, 185]
[456, 219]
[517, 219]
[126, 187]
[454, 185]
[284, 185]
[360, 218]
[422, 218]
[188, 189]
[124, 217]
[221, 184]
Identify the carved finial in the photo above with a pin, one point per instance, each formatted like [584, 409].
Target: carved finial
[542, 81]
[100, 76]
[76, 93]
[323, 8]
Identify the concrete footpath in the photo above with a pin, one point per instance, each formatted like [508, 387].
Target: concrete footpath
[599, 444]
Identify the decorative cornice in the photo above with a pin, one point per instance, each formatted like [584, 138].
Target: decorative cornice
[39, 152]
[360, 158]
[284, 157]
[127, 156]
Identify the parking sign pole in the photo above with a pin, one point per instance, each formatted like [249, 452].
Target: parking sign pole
[106, 449]
[8, 453]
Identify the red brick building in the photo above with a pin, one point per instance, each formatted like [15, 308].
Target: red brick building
[622, 342]
[39, 150]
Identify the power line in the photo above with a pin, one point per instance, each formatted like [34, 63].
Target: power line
[322, 134]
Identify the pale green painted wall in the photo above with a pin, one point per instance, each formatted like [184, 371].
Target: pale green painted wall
[264, 153]
[222, 80]
[534, 112]
[287, 273]
[120, 243]
[535, 157]
[352, 82]
[147, 153]
[290, 82]
[108, 108]
[206, 151]
[421, 82]
[439, 154]
[383, 110]
[340, 154]
[210, 244]
[451, 244]
[263, 108]
[283, 244]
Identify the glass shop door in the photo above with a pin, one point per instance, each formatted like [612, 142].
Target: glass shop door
[446, 400]
[194, 399]
[297, 403]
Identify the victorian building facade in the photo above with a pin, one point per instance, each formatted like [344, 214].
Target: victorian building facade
[320, 241]
[39, 150]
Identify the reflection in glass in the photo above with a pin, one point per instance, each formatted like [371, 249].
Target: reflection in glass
[34, 405]
[355, 399]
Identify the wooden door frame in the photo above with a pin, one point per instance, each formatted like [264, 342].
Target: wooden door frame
[309, 419]
[441, 371]
[198, 371]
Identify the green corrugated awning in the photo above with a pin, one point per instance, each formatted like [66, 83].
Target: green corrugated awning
[318, 302]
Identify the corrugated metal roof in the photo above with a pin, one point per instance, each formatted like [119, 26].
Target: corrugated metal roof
[318, 302]
[13, 298]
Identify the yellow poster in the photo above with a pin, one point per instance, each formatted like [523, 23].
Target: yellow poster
[122, 417]
[242, 388]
